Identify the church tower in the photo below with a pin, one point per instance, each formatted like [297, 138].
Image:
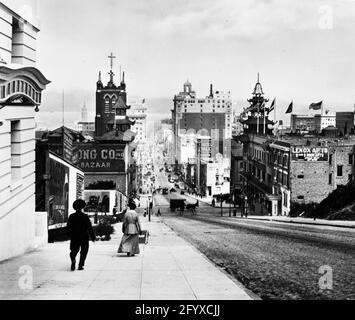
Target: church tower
[111, 105]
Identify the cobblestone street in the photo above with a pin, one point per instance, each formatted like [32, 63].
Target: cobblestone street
[271, 266]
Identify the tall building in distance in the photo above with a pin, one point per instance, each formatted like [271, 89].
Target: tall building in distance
[84, 125]
[210, 116]
[202, 130]
[138, 114]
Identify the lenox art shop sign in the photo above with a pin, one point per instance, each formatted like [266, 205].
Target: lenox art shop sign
[305, 153]
[101, 158]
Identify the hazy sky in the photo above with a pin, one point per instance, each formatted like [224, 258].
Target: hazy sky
[303, 49]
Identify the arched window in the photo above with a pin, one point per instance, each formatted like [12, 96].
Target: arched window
[107, 104]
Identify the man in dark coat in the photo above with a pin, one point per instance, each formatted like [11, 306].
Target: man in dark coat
[79, 229]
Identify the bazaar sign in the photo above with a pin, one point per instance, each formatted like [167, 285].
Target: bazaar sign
[308, 153]
[101, 158]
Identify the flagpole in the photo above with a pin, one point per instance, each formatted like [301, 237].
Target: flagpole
[264, 118]
[275, 112]
[257, 121]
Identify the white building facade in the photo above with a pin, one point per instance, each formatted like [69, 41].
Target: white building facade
[138, 113]
[21, 86]
[324, 120]
[210, 116]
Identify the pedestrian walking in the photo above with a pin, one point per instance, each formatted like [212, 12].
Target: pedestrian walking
[79, 229]
[158, 213]
[213, 202]
[131, 229]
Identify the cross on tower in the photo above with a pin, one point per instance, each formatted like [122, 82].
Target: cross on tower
[111, 57]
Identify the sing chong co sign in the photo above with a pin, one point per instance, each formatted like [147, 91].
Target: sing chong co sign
[96, 158]
[304, 153]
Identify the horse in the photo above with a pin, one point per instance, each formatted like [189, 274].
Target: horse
[191, 207]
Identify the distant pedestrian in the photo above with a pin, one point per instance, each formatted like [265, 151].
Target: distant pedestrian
[158, 213]
[131, 229]
[213, 202]
[79, 229]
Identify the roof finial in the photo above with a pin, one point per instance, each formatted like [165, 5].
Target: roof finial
[99, 76]
[123, 77]
[258, 78]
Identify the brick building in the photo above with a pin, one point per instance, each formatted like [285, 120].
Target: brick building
[274, 175]
[279, 173]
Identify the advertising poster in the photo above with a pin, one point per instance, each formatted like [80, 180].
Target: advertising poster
[97, 201]
[307, 153]
[59, 193]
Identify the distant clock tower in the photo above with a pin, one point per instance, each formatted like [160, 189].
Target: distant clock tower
[111, 106]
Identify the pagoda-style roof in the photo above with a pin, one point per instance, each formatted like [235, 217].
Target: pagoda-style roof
[254, 120]
[120, 104]
[121, 121]
[114, 135]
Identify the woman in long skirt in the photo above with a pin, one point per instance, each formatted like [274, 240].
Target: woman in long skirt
[131, 229]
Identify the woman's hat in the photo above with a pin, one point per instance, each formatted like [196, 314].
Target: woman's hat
[131, 204]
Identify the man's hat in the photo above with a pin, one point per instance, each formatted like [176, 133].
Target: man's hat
[79, 204]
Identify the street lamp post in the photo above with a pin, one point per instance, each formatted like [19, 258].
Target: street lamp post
[149, 208]
[230, 206]
[221, 205]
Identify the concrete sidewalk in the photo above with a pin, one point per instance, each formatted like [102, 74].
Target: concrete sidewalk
[168, 268]
[299, 220]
